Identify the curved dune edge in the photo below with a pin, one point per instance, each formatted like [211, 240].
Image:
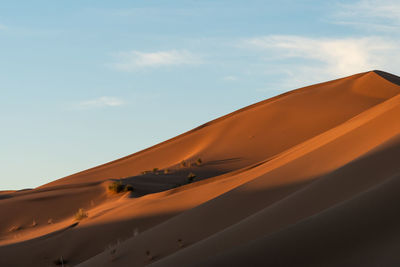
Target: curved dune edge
[274, 178]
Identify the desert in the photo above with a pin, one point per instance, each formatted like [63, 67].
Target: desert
[309, 177]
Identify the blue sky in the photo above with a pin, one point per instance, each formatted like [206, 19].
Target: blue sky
[86, 82]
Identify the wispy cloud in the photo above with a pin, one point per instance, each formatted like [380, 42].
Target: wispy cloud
[381, 15]
[314, 59]
[230, 78]
[135, 60]
[101, 102]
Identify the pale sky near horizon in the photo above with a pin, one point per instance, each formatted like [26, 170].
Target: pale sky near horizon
[86, 82]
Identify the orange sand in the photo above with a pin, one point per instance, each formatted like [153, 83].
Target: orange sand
[308, 178]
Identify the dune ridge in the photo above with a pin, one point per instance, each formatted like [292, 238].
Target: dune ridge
[271, 181]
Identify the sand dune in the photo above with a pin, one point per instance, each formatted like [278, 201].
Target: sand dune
[307, 178]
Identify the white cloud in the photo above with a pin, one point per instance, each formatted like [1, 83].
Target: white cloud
[104, 101]
[381, 15]
[134, 60]
[324, 58]
[373, 8]
[230, 78]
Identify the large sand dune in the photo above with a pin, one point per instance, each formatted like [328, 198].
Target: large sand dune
[308, 178]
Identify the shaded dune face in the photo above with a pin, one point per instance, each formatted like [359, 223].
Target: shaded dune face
[262, 186]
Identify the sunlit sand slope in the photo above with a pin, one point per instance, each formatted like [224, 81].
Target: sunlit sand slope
[308, 178]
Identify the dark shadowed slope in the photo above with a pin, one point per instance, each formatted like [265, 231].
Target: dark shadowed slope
[307, 178]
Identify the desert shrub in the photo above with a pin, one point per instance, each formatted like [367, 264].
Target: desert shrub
[119, 187]
[112, 249]
[136, 232]
[199, 162]
[129, 188]
[183, 164]
[191, 177]
[61, 261]
[166, 171]
[150, 257]
[81, 214]
[116, 187]
[155, 169]
[15, 228]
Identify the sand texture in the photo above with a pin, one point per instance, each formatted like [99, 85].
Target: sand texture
[307, 178]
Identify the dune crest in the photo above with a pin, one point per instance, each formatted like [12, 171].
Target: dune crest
[306, 178]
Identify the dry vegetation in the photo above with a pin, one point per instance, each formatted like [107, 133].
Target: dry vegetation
[191, 177]
[81, 214]
[118, 187]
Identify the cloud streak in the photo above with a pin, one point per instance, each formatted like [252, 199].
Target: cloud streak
[136, 60]
[101, 102]
[230, 78]
[381, 15]
[314, 59]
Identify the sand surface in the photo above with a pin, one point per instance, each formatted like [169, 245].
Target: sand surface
[307, 178]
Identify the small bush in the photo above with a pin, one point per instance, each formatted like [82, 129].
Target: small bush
[112, 249]
[180, 243]
[155, 170]
[199, 162]
[191, 177]
[183, 164]
[119, 187]
[81, 214]
[129, 188]
[150, 257]
[166, 171]
[136, 232]
[61, 261]
[15, 228]
[116, 187]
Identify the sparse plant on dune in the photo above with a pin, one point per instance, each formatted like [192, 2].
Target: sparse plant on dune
[191, 177]
[155, 170]
[180, 243]
[183, 164]
[149, 256]
[136, 232]
[189, 164]
[113, 251]
[116, 187]
[81, 214]
[146, 172]
[15, 228]
[199, 161]
[129, 188]
[166, 171]
[61, 261]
